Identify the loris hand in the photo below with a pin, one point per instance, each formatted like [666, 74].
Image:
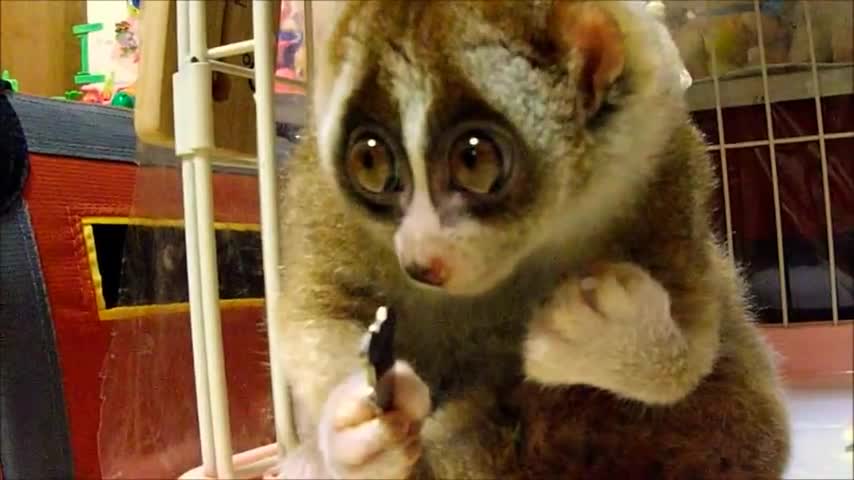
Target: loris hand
[356, 442]
[611, 330]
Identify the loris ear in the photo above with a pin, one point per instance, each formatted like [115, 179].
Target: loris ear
[588, 38]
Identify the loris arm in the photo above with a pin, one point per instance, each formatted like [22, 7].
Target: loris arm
[617, 331]
[319, 348]
[349, 429]
[462, 440]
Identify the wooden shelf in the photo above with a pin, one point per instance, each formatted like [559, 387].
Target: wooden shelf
[785, 82]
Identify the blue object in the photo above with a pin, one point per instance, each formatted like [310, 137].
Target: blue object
[34, 438]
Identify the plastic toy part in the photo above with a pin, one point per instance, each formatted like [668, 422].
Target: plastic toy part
[123, 99]
[82, 33]
[13, 84]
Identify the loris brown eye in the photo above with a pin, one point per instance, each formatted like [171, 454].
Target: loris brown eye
[479, 162]
[372, 166]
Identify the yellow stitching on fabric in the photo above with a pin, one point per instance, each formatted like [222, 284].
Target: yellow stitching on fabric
[92, 257]
[125, 313]
[167, 222]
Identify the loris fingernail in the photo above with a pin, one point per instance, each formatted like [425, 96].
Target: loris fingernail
[588, 284]
[588, 290]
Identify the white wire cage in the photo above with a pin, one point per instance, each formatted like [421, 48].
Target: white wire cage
[758, 85]
[771, 98]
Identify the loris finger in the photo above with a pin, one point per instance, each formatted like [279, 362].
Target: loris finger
[411, 394]
[356, 445]
[393, 463]
[351, 404]
[352, 412]
[569, 316]
[626, 292]
[607, 295]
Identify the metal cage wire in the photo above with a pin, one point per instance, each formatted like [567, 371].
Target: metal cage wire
[772, 142]
[194, 139]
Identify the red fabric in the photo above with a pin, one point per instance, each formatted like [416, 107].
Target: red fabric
[59, 192]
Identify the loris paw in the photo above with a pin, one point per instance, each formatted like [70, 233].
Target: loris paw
[594, 330]
[357, 442]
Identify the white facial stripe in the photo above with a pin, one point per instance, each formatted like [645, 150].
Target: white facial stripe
[414, 123]
[332, 118]
[421, 225]
[422, 214]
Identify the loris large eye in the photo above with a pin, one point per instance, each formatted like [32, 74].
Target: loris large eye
[479, 160]
[372, 166]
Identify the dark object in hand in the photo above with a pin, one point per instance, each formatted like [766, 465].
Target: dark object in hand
[378, 351]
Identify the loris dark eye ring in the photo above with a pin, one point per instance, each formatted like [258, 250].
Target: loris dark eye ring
[372, 165]
[480, 159]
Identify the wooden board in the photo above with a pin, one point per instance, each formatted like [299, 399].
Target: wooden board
[234, 107]
[37, 46]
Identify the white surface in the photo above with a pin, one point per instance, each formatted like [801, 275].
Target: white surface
[821, 429]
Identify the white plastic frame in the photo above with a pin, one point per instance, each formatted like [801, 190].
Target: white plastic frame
[193, 145]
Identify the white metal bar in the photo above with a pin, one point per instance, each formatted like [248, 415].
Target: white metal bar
[197, 326]
[825, 181]
[783, 141]
[182, 15]
[231, 49]
[207, 252]
[197, 319]
[231, 69]
[210, 306]
[262, 20]
[781, 259]
[722, 148]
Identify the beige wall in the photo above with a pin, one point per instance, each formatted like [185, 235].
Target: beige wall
[37, 46]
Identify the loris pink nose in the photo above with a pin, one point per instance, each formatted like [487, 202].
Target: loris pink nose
[434, 273]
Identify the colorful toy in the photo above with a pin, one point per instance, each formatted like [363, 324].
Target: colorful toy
[82, 32]
[123, 99]
[13, 84]
[72, 95]
[99, 88]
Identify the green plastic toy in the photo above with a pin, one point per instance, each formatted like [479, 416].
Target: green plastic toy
[123, 99]
[82, 33]
[14, 83]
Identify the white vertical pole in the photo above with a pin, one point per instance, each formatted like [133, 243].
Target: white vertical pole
[194, 282]
[262, 22]
[722, 144]
[201, 128]
[825, 180]
[778, 222]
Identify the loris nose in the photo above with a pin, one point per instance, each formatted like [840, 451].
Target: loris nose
[434, 273]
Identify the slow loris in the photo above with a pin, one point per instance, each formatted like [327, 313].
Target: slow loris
[522, 183]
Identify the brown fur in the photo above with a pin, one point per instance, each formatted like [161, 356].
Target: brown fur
[490, 422]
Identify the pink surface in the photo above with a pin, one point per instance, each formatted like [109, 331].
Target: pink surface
[814, 354]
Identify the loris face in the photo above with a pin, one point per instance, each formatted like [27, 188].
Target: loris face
[473, 135]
